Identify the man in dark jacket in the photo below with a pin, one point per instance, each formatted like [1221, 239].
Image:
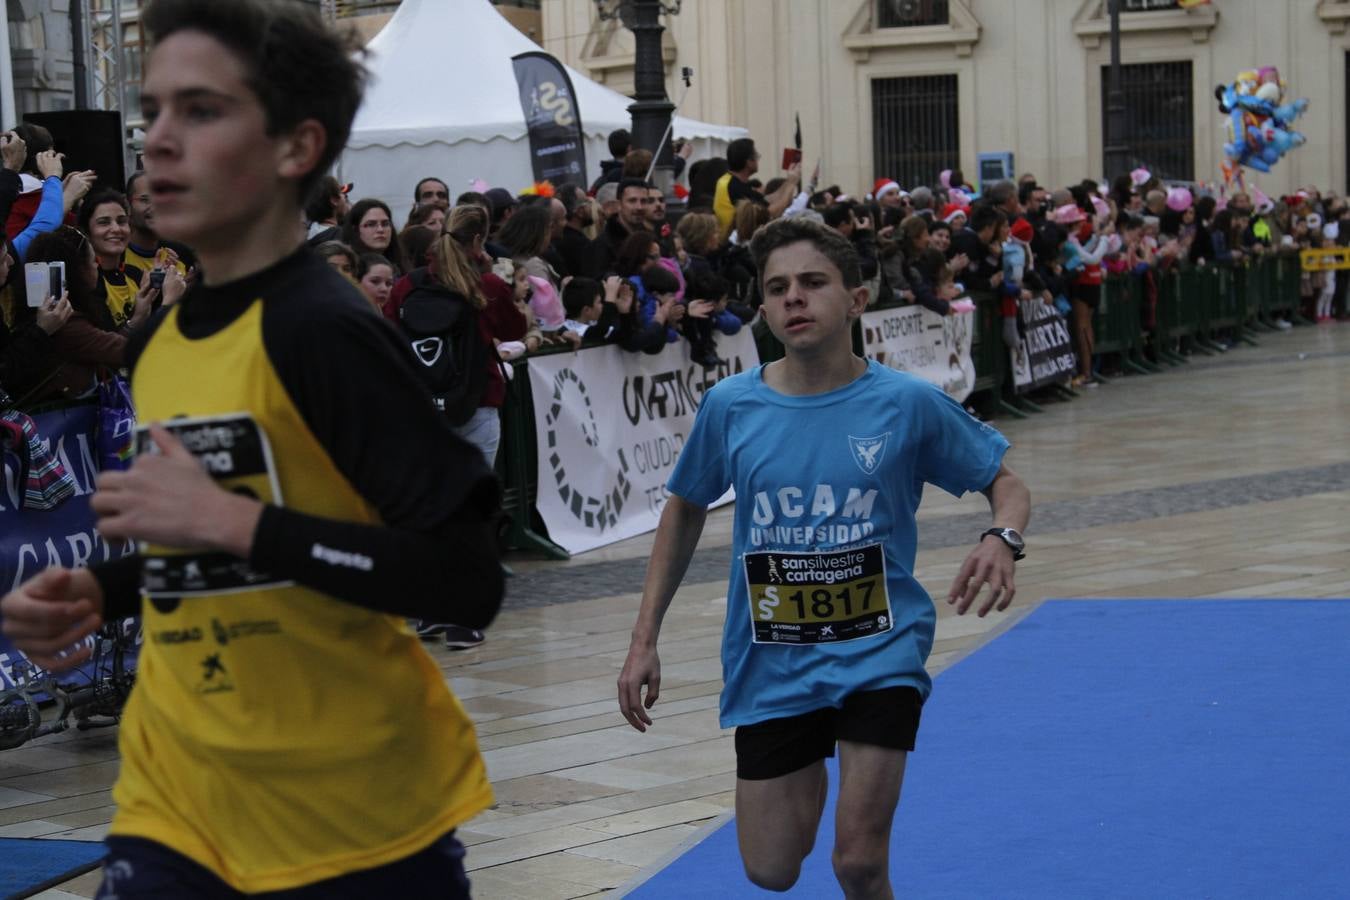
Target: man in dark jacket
[633, 204]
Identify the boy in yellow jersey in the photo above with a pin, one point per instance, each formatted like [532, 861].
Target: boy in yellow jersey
[296, 499]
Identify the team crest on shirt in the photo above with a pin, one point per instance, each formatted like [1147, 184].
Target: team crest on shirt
[868, 451]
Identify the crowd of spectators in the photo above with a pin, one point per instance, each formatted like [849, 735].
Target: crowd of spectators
[572, 265]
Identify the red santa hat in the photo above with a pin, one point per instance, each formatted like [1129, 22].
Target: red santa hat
[883, 187]
[952, 210]
[1022, 230]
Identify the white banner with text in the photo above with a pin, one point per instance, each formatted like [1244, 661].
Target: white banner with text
[609, 427]
[919, 341]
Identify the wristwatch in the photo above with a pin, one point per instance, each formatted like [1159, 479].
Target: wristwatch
[1011, 537]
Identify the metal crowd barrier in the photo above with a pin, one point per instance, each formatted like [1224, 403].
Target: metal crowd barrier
[1195, 306]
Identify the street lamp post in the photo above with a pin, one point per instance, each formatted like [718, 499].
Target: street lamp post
[1117, 151]
[651, 109]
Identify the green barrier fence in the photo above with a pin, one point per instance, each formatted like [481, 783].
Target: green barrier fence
[1193, 304]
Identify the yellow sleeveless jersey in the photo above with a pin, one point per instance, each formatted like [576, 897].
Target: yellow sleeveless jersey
[276, 736]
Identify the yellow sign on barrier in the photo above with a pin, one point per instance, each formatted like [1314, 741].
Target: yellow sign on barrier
[1325, 260]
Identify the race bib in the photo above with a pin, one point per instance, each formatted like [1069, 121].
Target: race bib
[234, 450]
[817, 598]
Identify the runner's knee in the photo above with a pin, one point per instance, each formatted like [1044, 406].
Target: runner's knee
[773, 875]
[861, 869]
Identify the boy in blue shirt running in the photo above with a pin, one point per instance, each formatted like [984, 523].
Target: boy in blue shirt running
[827, 630]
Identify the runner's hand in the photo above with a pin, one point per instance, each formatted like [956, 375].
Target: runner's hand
[168, 498]
[50, 613]
[643, 666]
[991, 562]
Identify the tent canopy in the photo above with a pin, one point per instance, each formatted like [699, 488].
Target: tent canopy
[441, 73]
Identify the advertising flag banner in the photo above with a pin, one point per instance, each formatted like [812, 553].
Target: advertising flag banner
[557, 147]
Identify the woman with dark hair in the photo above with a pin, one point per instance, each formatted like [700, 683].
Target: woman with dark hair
[27, 354]
[644, 326]
[105, 218]
[527, 236]
[417, 243]
[907, 266]
[638, 251]
[431, 215]
[454, 273]
[89, 339]
[1202, 245]
[370, 229]
[1226, 236]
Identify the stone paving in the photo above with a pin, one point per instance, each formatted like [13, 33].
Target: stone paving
[1227, 478]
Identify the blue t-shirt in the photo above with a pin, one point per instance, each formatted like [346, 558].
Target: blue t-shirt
[823, 601]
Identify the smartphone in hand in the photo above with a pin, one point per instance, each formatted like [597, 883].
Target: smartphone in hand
[43, 280]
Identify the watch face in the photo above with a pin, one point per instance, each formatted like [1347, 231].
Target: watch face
[1015, 539]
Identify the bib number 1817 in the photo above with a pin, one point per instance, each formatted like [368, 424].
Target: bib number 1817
[816, 598]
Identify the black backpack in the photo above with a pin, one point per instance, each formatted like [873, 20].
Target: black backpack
[441, 327]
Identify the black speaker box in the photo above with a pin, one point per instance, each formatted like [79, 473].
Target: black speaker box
[90, 139]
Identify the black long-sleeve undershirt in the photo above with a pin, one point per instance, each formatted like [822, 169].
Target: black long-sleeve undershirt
[349, 375]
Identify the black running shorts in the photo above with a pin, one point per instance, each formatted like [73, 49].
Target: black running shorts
[883, 718]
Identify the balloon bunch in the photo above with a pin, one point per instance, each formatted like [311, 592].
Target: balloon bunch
[1259, 120]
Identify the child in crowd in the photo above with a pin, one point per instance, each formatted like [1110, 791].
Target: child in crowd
[705, 296]
[597, 313]
[1018, 269]
[549, 314]
[517, 278]
[658, 300]
[339, 256]
[375, 275]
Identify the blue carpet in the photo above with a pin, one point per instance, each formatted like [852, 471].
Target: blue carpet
[25, 863]
[1127, 748]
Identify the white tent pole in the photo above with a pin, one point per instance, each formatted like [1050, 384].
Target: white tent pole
[9, 112]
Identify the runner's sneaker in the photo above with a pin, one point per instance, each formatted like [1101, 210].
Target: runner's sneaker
[457, 637]
[430, 630]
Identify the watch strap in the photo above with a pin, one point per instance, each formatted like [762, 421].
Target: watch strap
[998, 533]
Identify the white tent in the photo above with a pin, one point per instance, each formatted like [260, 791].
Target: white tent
[443, 102]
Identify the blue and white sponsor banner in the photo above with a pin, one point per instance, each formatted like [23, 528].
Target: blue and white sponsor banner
[32, 540]
[609, 427]
[919, 341]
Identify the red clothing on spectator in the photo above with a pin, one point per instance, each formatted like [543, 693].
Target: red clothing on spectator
[500, 319]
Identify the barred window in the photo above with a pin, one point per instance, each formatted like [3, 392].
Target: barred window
[909, 13]
[1159, 117]
[915, 128]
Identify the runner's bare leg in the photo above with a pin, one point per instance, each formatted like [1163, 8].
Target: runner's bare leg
[776, 822]
[869, 791]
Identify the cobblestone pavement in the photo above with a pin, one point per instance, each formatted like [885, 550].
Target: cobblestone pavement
[542, 587]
